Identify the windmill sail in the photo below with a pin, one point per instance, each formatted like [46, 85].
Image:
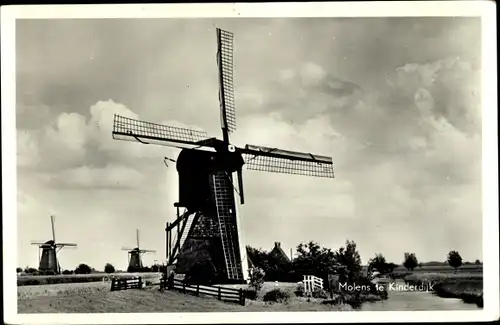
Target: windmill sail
[226, 87]
[288, 162]
[128, 129]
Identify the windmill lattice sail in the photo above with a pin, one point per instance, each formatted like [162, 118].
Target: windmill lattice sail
[128, 129]
[225, 64]
[288, 162]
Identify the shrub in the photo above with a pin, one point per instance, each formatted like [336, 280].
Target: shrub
[66, 272]
[250, 294]
[277, 295]
[299, 291]
[19, 270]
[83, 269]
[109, 268]
[256, 278]
[30, 270]
[321, 294]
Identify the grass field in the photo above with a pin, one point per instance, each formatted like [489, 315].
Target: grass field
[97, 298]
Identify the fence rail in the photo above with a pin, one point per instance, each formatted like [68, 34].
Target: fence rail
[312, 283]
[226, 294]
[124, 284]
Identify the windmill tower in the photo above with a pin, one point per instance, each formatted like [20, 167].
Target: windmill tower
[208, 229]
[49, 250]
[134, 254]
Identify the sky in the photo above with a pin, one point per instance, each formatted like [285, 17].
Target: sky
[396, 103]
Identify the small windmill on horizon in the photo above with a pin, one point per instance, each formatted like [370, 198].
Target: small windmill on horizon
[209, 231]
[49, 250]
[135, 255]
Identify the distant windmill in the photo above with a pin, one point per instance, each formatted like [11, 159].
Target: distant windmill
[49, 260]
[135, 260]
[209, 230]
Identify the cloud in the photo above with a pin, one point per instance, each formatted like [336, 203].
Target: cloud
[110, 177]
[27, 149]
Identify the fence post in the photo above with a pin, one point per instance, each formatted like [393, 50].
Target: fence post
[242, 298]
[113, 284]
[140, 282]
[197, 289]
[184, 287]
[219, 296]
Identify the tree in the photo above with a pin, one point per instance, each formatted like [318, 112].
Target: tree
[348, 261]
[109, 268]
[454, 259]
[410, 261]
[477, 262]
[314, 260]
[378, 263]
[83, 269]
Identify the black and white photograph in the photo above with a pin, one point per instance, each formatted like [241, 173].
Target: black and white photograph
[330, 160]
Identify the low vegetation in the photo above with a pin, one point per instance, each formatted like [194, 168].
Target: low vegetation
[465, 286]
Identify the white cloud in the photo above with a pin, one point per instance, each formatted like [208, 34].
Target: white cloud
[70, 132]
[27, 149]
[111, 176]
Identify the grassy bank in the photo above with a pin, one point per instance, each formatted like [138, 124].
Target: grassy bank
[35, 280]
[465, 286]
[149, 300]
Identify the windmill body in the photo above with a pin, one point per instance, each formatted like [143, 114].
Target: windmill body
[211, 180]
[48, 260]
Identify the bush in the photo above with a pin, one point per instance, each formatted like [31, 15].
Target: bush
[321, 294]
[299, 291]
[66, 272]
[277, 295]
[30, 270]
[109, 268]
[19, 270]
[256, 278]
[250, 294]
[83, 269]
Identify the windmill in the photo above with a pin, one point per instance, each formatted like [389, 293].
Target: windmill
[134, 255]
[208, 230]
[49, 249]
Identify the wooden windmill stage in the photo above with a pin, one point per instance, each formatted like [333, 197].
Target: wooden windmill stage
[208, 229]
[135, 255]
[49, 249]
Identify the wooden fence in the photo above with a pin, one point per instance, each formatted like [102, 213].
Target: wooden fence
[124, 284]
[312, 283]
[225, 294]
